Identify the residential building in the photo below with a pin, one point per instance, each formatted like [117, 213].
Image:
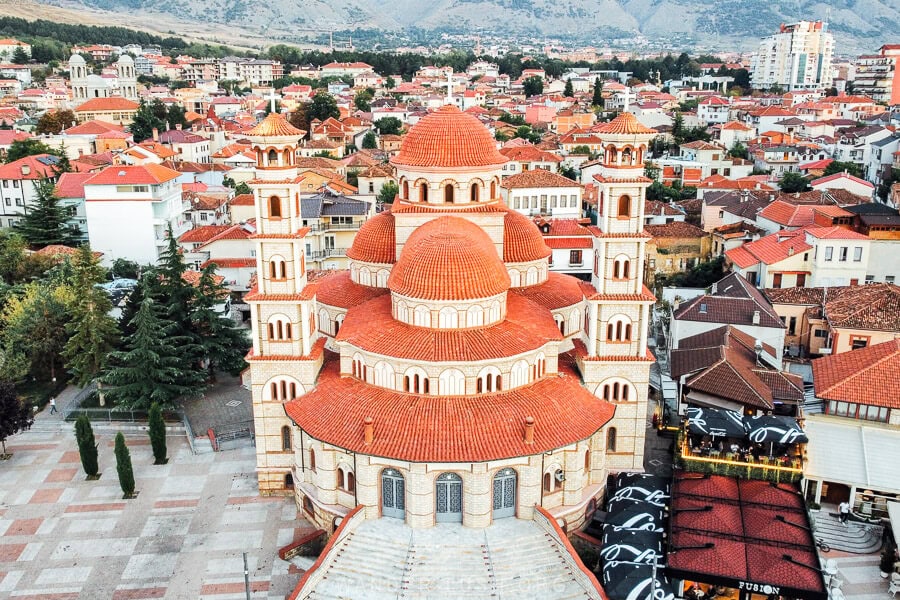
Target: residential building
[129, 210]
[571, 244]
[19, 184]
[844, 181]
[8, 48]
[660, 213]
[188, 146]
[713, 109]
[333, 221]
[70, 190]
[118, 111]
[676, 247]
[881, 224]
[526, 157]
[798, 57]
[541, 192]
[840, 256]
[877, 75]
[778, 260]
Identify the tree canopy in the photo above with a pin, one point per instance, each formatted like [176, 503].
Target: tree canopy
[389, 125]
[792, 182]
[533, 86]
[48, 221]
[54, 121]
[15, 415]
[322, 107]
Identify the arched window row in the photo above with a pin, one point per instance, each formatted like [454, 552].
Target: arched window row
[621, 267]
[532, 275]
[277, 268]
[450, 191]
[618, 329]
[369, 276]
[280, 328]
[616, 391]
[282, 389]
[346, 480]
[448, 317]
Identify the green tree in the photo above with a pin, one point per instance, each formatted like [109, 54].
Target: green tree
[19, 56]
[47, 222]
[224, 345]
[15, 265]
[122, 268]
[35, 324]
[370, 141]
[157, 431]
[242, 188]
[533, 86]
[389, 125]
[363, 100]
[738, 150]
[175, 116]
[597, 98]
[387, 194]
[569, 91]
[54, 121]
[150, 369]
[93, 333]
[838, 166]
[299, 118]
[792, 182]
[87, 446]
[149, 116]
[582, 149]
[15, 415]
[389, 83]
[27, 147]
[123, 467]
[322, 107]
[569, 171]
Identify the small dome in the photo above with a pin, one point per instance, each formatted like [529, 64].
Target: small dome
[126, 59]
[449, 138]
[375, 242]
[274, 125]
[76, 59]
[625, 123]
[449, 258]
[522, 240]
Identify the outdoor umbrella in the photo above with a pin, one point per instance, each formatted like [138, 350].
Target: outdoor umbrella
[716, 422]
[642, 480]
[774, 428]
[630, 514]
[630, 545]
[629, 581]
[643, 493]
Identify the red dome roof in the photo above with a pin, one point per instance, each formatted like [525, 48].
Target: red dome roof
[375, 242]
[449, 137]
[625, 123]
[522, 240]
[274, 125]
[449, 258]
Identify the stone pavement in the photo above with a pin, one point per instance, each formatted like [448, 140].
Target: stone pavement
[861, 575]
[225, 405]
[64, 538]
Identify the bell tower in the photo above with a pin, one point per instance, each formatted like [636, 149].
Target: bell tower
[617, 364]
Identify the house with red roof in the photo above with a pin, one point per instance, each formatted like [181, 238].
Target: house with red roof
[70, 190]
[570, 242]
[114, 110]
[778, 260]
[542, 192]
[526, 157]
[129, 209]
[840, 256]
[713, 109]
[844, 181]
[19, 183]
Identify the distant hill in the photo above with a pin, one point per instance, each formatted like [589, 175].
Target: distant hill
[857, 24]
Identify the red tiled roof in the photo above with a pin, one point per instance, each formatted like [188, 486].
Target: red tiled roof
[529, 153]
[202, 234]
[71, 185]
[133, 175]
[274, 125]
[105, 104]
[338, 290]
[571, 243]
[834, 233]
[522, 240]
[38, 166]
[375, 242]
[625, 123]
[559, 291]
[449, 258]
[449, 137]
[449, 428]
[769, 250]
[92, 127]
[534, 178]
[875, 307]
[675, 229]
[864, 376]
[230, 263]
[243, 200]
[838, 176]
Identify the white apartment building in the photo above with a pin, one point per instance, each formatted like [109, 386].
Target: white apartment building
[877, 76]
[798, 57]
[129, 209]
[840, 256]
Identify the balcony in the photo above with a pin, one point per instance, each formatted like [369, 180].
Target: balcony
[323, 227]
[327, 253]
[785, 469]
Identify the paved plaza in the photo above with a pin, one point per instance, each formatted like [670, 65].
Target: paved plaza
[64, 538]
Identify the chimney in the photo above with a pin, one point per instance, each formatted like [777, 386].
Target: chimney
[155, 134]
[756, 317]
[369, 427]
[26, 170]
[178, 127]
[529, 430]
[715, 287]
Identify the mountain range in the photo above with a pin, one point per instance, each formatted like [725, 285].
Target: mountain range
[858, 25]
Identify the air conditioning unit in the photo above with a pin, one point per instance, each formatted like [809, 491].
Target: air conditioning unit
[560, 476]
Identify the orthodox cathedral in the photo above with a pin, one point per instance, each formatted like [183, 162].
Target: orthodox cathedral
[448, 383]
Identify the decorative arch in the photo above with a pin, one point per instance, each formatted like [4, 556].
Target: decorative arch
[402, 311]
[381, 278]
[384, 375]
[338, 321]
[495, 311]
[282, 388]
[449, 193]
[324, 321]
[621, 267]
[540, 364]
[488, 380]
[274, 205]
[518, 375]
[277, 268]
[624, 207]
[422, 316]
[531, 276]
[475, 187]
[279, 328]
[451, 382]
[616, 389]
[474, 316]
[448, 318]
[618, 329]
[359, 366]
[561, 324]
[415, 381]
[553, 478]
[405, 188]
[515, 278]
[272, 156]
[365, 276]
[423, 191]
[574, 318]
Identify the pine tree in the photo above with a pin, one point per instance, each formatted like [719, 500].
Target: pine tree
[93, 332]
[597, 99]
[15, 415]
[224, 345]
[19, 56]
[87, 446]
[151, 368]
[157, 433]
[123, 467]
[47, 222]
[569, 91]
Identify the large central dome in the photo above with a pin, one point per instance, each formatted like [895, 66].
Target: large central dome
[449, 258]
[449, 138]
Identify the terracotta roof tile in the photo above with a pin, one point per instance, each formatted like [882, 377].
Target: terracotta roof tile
[104, 104]
[243, 200]
[338, 290]
[522, 240]
[625, 123]
[375, 242]
[274, 125]
[559, 291]
[150, 173]
[675, 229]
[537, 178]
[864, 376]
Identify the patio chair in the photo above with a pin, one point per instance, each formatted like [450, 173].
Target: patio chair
[894, 588]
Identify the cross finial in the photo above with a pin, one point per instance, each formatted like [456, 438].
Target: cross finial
[272, 99]
[450, 86]
[627, 98]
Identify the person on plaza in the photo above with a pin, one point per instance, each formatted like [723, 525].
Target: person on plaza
[53, 410]
[844, 510]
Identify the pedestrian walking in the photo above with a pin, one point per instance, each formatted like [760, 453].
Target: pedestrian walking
[53, 410]
[844, 510]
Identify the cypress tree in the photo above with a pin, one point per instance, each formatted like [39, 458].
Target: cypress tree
[597, 99]
[47, 222]
[157, 433]
[224, 345]
[569, 91]
[87, 446]
[123, 466]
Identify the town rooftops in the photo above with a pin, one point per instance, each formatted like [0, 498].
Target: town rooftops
[328, 205]
[768, 250]
[733, 301]
[149, 174]
[538, 178]
[112, 103]
[38, 166]
[839, 176]
[864, 376]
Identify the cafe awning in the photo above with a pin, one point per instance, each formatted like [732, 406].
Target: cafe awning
[715, 422]
[774, 428]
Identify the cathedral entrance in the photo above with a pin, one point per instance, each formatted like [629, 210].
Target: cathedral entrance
[448, 495]
[393, 494]
[505, 494]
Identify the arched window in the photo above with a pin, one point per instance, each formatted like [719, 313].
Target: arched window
[340, 478]
[338, 321]
[587, 461]
[381, 278]
[624, 207]
[448, 318]
[345, 479]
[312, 460]
[627, 157]
[406, 190]
[384, 375]
[548, 482]
[359, 366]
[540, 364]
[273, 158]
[611, 439]
[474, 193]
[351, 482]
[448, 193]
[288, 481]
[282, 388]
[515, 278]
[274, 207]
[531, 276]
[277, 268]
[285, 438]
[474, 316]
[423, 192]
[324, 321]
[493, 189]
[574, 317]
[621, 267]
[495, 311]
[561, 323]
[415, 381]
[518, 375]
[553, 479]
[615, 390]
[488, 380]
[422, 316]
[402, 312]
[280, 328]
[452, 382]
[365, 276]
[618, 329]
